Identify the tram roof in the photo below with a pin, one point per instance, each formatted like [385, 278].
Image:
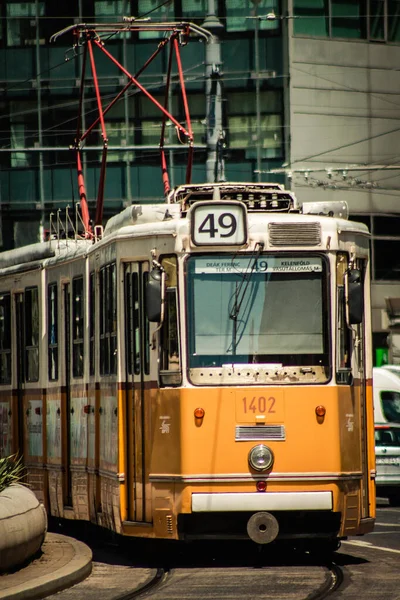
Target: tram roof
[265, 203]
[36, 255]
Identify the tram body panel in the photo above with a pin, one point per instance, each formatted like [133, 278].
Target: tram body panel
[120, 430]
[204, 457]
[208, 445]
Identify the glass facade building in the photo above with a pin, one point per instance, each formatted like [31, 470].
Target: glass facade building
[306, 84]
[40, 84]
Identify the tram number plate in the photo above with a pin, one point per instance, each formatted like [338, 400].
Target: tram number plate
[253, 408]
[219, 223]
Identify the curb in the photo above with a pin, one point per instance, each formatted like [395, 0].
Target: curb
[71, 571]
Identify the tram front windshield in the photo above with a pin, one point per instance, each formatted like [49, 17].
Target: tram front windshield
[264, 309]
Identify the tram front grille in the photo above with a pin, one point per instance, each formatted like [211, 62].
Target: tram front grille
[294, 234]
[260, 432]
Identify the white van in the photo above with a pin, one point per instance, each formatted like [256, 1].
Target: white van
[386, 386]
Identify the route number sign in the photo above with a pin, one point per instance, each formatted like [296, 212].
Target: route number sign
[218, 223]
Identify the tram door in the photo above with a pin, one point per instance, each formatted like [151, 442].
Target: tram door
[66, 298]
[361, 265]
[20, 364]
[137, 348]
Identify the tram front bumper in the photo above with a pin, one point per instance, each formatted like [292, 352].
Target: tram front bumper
[259, 501]
[261, 516]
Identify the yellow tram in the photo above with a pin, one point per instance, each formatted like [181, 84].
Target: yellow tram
[201, 370]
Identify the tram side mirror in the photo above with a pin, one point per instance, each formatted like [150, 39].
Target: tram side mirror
[355, 297]
[154, 295]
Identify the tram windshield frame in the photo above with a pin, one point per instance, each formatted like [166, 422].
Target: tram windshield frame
[257, 309]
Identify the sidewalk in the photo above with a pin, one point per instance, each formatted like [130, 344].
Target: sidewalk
[64, 562]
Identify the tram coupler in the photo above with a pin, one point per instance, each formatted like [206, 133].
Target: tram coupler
[262, 528]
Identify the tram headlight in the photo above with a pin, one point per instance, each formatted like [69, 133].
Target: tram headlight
[261, 458]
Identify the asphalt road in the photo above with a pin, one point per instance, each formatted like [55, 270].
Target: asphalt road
[370, 567]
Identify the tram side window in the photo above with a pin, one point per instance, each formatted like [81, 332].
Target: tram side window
[32, 334]
[52, 324]
[170, 357]
[78, 326]
[92, 309]
[146, 327]
[5, 338]
[343, 364]
[137, 324]
[108, 320]
[133, 341]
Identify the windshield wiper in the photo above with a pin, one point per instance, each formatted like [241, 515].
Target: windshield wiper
[240, 293]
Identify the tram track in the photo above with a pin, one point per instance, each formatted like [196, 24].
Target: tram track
[153, 583]
[264, 583]
[333, 582]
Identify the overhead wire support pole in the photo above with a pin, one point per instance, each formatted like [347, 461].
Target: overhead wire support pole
[215, 166]
[88, 37]
[82, 195]
[164, 169]
[187, 114]
[142, 89]
[124, 89]
[78, 139]
[100, 192]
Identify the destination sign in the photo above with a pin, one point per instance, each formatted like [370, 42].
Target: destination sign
[218, 224]
[261, 265]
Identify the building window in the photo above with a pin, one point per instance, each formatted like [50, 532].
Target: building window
[77, 327]
[385, 245]
[376, 20]
[386, 259]
[311, 18]
[240, 14]
[193, 10]
[32, 334]
[347, 19]
[23, 132]
[106, 11]
[21, 23]
[52, 323]
[5, 338]
[253, 134]
[160, 12]
[108, 320]
[393, 22]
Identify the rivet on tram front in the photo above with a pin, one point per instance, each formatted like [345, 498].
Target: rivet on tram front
[199, 416]
[320, 411]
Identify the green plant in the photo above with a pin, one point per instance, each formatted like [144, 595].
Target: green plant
[11, 471]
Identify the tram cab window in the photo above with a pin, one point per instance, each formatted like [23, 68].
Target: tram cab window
[5, 338]
[268, 309]
[170, 368]
[343, 364]
[350, 311]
